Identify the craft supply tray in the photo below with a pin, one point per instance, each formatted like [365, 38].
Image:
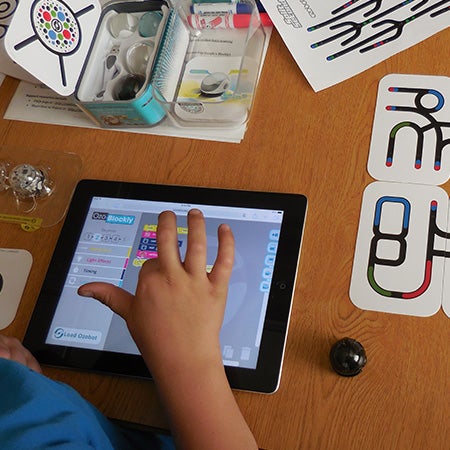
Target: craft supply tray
[135, 64]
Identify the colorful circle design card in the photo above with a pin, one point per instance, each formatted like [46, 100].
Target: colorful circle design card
[56, 26]
[51, 40]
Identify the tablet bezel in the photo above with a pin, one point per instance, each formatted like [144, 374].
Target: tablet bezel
[265, 378]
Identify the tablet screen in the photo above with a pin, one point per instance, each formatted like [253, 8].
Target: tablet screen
[119, 235]
[110, 231]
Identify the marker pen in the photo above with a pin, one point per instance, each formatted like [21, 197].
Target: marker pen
[221, 8]
[225, 8]
[227, 21]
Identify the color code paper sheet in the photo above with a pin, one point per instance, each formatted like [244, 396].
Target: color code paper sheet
[334, 40]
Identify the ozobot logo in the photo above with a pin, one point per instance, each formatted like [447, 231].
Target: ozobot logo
[91, 337]
[58, 333]
[120, 219]
[97, 215]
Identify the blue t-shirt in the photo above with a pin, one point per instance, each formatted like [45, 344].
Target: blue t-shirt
[39, 413]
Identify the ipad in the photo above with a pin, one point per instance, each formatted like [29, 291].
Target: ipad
[110, 230]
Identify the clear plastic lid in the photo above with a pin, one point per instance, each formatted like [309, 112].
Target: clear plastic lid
[207, 70]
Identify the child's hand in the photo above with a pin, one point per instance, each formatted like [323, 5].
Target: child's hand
[12, 348]
[175, 319]
[177, 312]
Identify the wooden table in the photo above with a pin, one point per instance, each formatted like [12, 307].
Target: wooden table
[303, 142]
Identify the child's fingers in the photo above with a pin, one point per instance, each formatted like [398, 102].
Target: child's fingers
[223, 266]
[195, 260]
[167, 241]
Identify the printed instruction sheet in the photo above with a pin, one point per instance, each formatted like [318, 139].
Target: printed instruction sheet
[335, 39]
[38, 103]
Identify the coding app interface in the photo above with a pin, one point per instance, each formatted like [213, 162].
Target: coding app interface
[119, 235]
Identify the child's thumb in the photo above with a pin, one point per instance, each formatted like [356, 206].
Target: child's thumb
[116, 298]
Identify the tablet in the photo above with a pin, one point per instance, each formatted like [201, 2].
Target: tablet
[110, 230]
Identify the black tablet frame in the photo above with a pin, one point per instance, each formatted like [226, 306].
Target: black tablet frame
[265, 378]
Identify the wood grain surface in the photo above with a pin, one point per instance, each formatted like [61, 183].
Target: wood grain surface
[303, 142]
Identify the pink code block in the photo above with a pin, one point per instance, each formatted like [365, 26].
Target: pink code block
[144, 254]
[149, 234]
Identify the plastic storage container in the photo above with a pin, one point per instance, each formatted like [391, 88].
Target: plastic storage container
[135, 64]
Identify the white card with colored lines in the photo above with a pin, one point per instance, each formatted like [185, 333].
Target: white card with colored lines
[411, 130]
[401, 249]
[446, 286]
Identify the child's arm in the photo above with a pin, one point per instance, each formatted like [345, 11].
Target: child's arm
[175, 318]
